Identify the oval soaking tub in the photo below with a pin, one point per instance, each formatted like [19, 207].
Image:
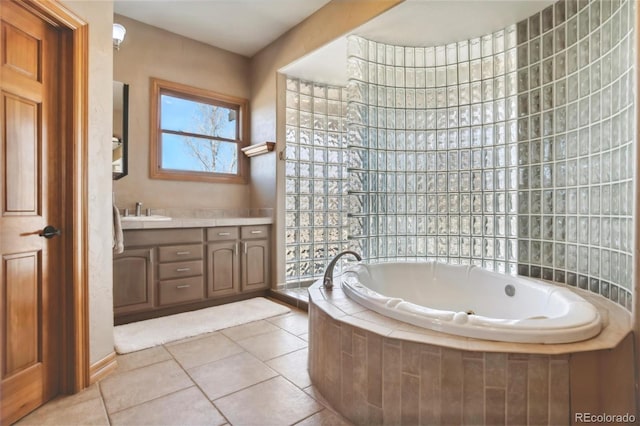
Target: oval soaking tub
[473, 302]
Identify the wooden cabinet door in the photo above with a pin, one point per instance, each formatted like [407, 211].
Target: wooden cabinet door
[223, 277]
[255, 265]
[31, 287]
[133, 281]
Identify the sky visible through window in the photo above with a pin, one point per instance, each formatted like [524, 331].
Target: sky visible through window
[190, 153]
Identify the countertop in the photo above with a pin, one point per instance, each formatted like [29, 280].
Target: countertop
[196, 222]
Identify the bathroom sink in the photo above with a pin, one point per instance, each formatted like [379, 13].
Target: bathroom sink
[154, 217]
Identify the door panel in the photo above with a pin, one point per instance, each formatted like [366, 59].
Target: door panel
[21, 148]
[30, 178]
[22, 333]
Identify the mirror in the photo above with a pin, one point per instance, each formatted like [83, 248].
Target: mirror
[120, 129]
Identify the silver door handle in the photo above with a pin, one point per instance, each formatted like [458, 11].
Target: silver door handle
[183, 269]
[224, 234]
[183, 286]
[182, 253]
[256, 232]
[235, 252]
[245, 248]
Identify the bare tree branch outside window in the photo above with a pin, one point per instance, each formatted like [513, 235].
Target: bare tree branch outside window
[210, 120]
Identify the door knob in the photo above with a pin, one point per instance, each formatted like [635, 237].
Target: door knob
[49, 232]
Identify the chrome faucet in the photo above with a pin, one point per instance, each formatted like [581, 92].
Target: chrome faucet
[138, 208]
[328, 273]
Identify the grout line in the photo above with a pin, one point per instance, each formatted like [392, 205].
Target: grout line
[104, 404]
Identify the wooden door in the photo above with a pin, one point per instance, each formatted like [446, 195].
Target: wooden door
[30, 160]
[223, 269]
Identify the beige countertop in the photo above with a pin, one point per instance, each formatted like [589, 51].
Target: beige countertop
[200, 218]
[195, 222]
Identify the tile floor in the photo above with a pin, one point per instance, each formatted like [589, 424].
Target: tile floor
[252, 374]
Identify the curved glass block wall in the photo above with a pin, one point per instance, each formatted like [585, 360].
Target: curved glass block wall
[513, 151]
[576, 134]
[433, 138]
[316, 212]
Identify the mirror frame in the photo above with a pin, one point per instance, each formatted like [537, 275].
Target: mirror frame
[125, 134]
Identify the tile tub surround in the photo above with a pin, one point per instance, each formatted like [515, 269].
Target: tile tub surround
[373, 369]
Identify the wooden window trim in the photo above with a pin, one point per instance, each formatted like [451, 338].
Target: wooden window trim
[156, 171]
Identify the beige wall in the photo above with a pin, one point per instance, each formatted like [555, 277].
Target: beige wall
[330, 22]
[99, 16]
[151, 52]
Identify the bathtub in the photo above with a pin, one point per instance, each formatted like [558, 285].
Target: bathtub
[473, 302]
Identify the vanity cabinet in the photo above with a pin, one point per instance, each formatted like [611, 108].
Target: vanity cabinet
[255, 258]
[133, 276]
[223, 264]
[178, 269]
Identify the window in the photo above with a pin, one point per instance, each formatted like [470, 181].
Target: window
[196, 134]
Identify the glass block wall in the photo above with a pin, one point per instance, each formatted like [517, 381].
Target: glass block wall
[433, 151]
[576, 133]
[316, 211]
[513, 151]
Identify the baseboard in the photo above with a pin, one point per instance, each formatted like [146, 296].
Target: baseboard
[102, 368]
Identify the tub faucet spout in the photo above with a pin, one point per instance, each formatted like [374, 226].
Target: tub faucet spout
[328, 273]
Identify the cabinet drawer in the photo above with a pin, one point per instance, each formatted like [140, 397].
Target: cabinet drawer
[179, 253]
[179, 269]
[181, 290]
[222, 233]
[148, 237]
[259, 231]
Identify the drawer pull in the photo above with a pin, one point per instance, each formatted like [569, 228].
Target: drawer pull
[224, 234]
[256, 232]
[183, 286]
[182, 253]
[183, 269]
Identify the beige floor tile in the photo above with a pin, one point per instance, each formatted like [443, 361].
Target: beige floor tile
[274, 402]
[142, 358]
[296, 322]
[230, 374]
[85, 412]
[186, 407]
[197, 352]
[134, 387]
[293, 366]
[272, 345]
[249, 330]
[315, 394]
[324, 418]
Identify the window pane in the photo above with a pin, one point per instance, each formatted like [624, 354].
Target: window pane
[183, 115]
[198, 154]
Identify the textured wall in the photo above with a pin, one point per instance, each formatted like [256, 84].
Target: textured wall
[99, 16]
[151, 52]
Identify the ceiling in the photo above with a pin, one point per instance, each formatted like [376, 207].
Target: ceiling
[240, 26]
[247, 26]
[417, 23]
